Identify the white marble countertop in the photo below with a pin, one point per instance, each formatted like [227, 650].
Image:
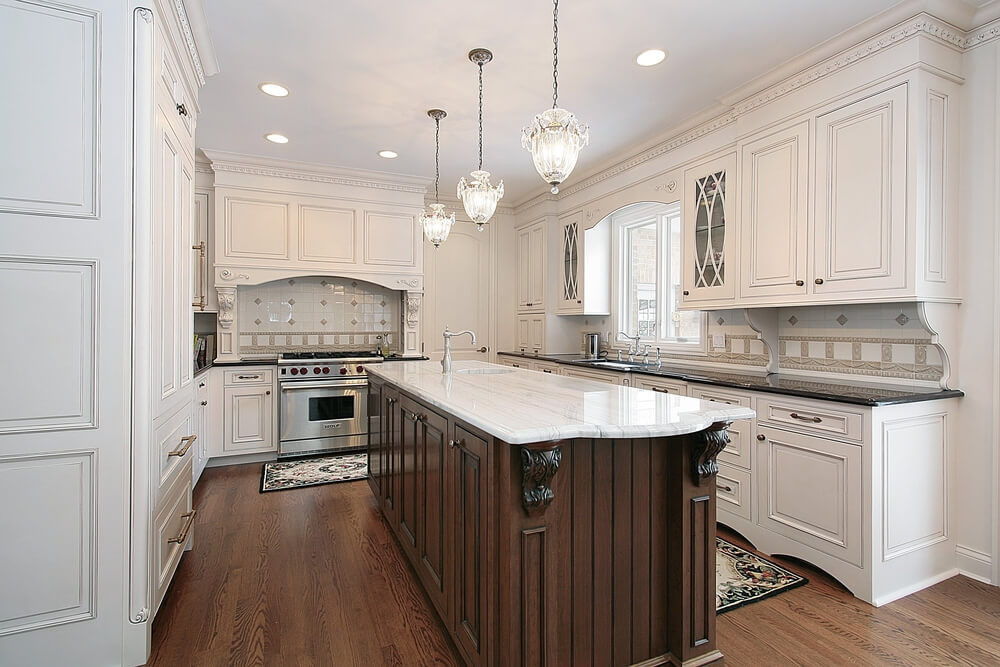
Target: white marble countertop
[520, 406]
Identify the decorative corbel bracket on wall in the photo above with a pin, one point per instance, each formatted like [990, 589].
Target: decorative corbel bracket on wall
[539, 464]
[708, 444]
[228, 349]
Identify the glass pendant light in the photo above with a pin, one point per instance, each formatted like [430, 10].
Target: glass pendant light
[555, 136]
[478, 196]
[437, 224]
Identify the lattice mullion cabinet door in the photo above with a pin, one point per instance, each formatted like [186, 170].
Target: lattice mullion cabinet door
[571, 265]
[710, 222]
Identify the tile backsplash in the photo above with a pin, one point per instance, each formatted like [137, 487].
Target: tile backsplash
[301, 314]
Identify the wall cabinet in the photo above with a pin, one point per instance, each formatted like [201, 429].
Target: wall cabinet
[710, 243]
[585, 266]
[249, 412]
[203, 294]
[531, 333]
[432, 486]
[775, 219]
[531, 273]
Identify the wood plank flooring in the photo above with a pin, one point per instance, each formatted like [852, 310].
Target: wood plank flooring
[313, 577]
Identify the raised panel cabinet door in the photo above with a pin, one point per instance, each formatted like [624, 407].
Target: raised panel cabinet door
[523, 263]
[406, 475]
[810, 491]
[375, 444]
[536, 332]
[536, 267]
[434, 508]
[182, 305]
[470, 474]
[390, 457]
[710, 232]
[248, 415]
[860, 219]
[775, 200]
[199, 254]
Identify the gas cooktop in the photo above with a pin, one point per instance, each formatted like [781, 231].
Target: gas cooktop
[328, 354]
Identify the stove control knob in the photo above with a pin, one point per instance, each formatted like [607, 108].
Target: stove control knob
[316, 370]
[361, 369]
[343, 370]
[326, 370]
[295, 371]
[303, 370]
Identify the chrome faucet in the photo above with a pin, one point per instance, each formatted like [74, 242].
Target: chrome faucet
[645, 354]
[633, 342]
[448, 335]
[659, 363]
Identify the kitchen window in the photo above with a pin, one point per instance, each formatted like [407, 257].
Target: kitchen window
[647, 251]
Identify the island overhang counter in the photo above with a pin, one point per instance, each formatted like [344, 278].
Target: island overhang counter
[552, 520]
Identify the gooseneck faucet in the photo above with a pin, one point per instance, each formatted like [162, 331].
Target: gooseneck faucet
[448, 335]
[633, 344]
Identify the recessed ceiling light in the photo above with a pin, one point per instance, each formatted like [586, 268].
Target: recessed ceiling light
[276, 138]
[273, 89]
[388, 154]
[650, 57]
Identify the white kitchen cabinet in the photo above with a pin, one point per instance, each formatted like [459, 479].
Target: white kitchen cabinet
[584, 266]
[660, 384]
[249, 412]
[711, 234]
[775, 217]
[861, 180]
[810, 490]
[531, 270]
[515, 362]
[531, 333]
[609, 377]
[733, 490]
[204, 410]
[172, 533]
[739, 450]
[203, 295]
[549, 367]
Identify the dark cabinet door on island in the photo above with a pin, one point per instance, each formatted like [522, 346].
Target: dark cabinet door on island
[408, 413]
[433, 508]
[376, 442]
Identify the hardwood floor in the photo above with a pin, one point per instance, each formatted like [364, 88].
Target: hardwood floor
[313, 577]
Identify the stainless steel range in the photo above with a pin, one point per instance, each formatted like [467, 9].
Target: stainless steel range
[323, 405]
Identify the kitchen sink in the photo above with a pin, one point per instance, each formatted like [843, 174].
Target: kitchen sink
[484, 371]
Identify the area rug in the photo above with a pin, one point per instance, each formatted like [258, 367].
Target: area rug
[742, 577]
[281, 475]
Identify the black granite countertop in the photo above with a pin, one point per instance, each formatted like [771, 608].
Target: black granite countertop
[253, 361]
[840, 391]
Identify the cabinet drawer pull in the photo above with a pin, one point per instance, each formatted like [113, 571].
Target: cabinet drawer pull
[182, 110]
[180, 539]
[761, 437]
[726, 488]
[660, 390]
[811, 420]
[414, 417]
[800, 283]
[247, 377]
[686, 293]
[818, 281]
[186, 443]
[204, 402]
[546, 370]
[201, 384]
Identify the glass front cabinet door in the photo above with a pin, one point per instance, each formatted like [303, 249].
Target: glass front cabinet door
[571, 264]
[709, 273]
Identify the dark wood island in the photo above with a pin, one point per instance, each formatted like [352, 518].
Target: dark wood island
[552, 520]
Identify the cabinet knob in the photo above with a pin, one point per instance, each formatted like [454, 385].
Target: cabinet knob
[268, 392]
[204, 402]
[201, 384]
[761, 437]
[686, 293]
[818, 281]
[800, 283]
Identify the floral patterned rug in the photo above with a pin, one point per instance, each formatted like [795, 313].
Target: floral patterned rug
[280, 475]
[742, 578]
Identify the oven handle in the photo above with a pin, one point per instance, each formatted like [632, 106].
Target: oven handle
[323, 385]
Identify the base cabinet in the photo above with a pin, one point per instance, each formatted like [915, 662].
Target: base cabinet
[470, 476]
[248, 412]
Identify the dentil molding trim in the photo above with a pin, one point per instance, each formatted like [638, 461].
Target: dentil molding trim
[182, 19]
[921, 24]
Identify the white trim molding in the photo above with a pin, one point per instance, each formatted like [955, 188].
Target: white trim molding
[974, 564]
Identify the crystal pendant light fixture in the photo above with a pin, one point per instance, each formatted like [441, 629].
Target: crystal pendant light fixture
[437, 224]
[555, 136]
[478, 196]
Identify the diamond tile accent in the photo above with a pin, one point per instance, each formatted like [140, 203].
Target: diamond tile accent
[323, 283]
[382, 322]
[354, 283]
[902, 319]
[323, 302]
[842, 319]
[292, 281]
[793, 320]
[291, 302]
[721, 321]
[257, 321]
[257, 301]
[354, 302]
[382, 303]
[291, 321]
[353, 321]
[323, 322]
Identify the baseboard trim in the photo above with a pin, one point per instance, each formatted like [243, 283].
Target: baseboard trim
[974, 564]
[913, 588]
[239, 459]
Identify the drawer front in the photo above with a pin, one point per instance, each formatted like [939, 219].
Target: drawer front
[733, 490]
[739, 450]
[809, 490]
[662, 385]
[174, 440]
[596, 375]
[516, 362]
[249, 376]
[172, 530]
[810, 417]
[547, 367]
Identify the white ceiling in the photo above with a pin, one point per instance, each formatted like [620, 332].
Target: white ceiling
[362, 74]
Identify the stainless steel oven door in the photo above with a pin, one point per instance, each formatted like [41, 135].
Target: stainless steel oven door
[323, 409]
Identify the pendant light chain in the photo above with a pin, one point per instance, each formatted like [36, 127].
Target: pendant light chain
[437, 155]
[480, 116]
[555, 53]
